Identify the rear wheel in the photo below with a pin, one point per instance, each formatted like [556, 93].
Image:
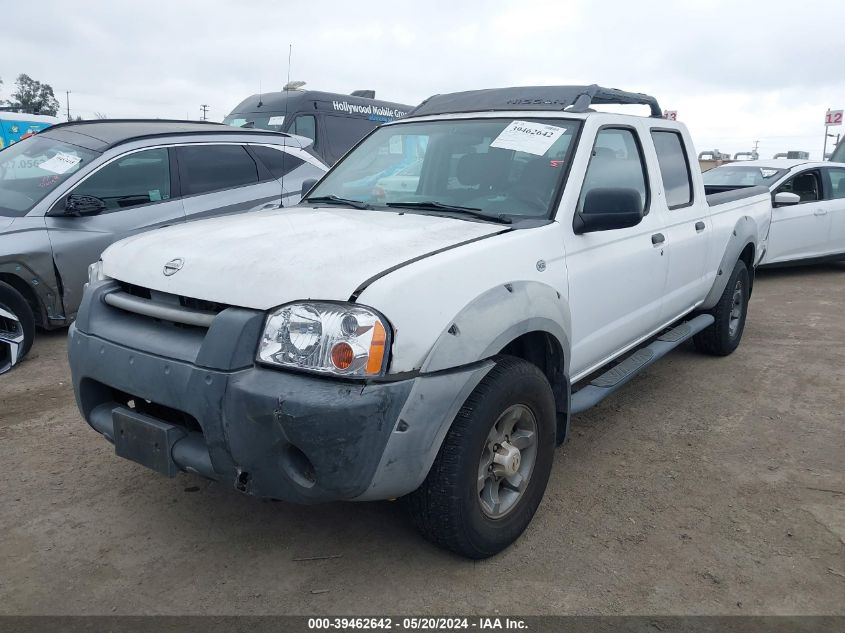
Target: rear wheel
[722, 338]
[491, 472]
[17, 327]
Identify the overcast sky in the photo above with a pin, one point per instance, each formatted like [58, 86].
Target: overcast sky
[736, 71]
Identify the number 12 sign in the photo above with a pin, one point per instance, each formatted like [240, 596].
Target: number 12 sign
[833, 117]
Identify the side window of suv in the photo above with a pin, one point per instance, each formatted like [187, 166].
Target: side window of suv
[674, 168]
[139, 178]
[278, 161]
[616, 165]
[806, 184]
[205, 168]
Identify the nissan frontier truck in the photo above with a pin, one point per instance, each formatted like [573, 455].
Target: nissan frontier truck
[427, 342]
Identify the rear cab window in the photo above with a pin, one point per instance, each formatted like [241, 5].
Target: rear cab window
[674, 166]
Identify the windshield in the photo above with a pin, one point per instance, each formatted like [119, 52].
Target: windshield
[274, 122]
[492, 167]
[735, 176]
[34, 167]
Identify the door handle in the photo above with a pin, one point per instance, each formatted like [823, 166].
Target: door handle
[820, 212]
[699, 226]
[658, 238]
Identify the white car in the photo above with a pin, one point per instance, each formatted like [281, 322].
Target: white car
[435, 346]
[402, 182]
[808, 215]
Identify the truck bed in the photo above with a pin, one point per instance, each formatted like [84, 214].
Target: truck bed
[720, 194]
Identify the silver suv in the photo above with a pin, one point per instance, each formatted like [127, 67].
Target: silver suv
[70, 191]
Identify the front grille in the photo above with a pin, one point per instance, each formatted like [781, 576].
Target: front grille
[202, 304]
[164, 307]
[135, 291]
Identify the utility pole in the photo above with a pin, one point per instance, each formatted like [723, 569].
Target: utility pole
[67, 101]
[824, 148]
[204, 108]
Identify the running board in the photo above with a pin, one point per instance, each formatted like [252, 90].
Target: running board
[620, 374]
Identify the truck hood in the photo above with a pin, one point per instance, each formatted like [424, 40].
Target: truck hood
[267, 258]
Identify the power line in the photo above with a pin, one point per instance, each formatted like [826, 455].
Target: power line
[204, 108]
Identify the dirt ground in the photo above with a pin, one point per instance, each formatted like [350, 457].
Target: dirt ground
[707, 486]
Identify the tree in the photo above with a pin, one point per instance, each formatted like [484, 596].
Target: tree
[33, 97]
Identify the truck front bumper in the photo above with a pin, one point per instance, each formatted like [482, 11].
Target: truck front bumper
[276, 434]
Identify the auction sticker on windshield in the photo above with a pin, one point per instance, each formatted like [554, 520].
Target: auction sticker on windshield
[531, 138]
[60, 163]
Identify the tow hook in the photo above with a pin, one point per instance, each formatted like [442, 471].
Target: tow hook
[242, 480]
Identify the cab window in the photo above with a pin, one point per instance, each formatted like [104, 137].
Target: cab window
[616, 165]
[305, 125]
[343, 132]
[674, 168]
[139, 178]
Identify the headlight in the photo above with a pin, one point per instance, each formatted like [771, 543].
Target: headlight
[95, 272]
[328, 338]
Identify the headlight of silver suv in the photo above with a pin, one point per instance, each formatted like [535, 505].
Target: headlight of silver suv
[329, 338]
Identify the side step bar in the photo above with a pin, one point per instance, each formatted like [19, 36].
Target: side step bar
[619, 375]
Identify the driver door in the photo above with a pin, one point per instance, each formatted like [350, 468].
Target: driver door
[135, 192]
[617, 278]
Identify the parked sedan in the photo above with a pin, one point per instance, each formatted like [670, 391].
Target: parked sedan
[69, 192]
[808, 216]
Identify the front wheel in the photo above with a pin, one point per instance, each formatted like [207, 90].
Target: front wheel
[722, 338]
[17, 327]
[491, 472]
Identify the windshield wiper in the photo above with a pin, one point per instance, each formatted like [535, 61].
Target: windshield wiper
[433, 205]
[355, 204]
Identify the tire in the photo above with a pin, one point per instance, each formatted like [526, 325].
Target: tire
[17, 327]
[449, 508]
[723, 337]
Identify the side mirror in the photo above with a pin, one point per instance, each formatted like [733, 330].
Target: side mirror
[786, 199]
[609, 208]
[80, 205]
[307, 185]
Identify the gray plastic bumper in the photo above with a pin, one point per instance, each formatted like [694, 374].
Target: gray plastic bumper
[270, 433]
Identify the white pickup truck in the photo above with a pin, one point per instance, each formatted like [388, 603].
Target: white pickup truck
[427, 342]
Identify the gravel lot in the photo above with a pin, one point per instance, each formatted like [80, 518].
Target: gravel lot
[707, 486]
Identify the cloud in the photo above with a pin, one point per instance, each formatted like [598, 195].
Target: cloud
[735, 71]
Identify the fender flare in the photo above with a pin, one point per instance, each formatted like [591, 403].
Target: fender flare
[745, 232]
[495, 318]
